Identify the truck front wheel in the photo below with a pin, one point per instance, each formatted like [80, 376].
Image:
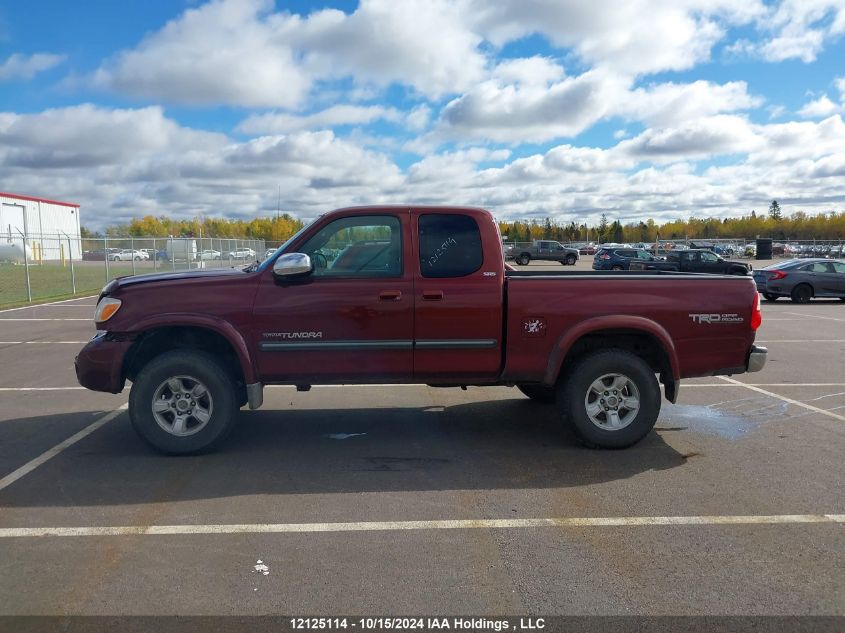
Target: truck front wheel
[611, 399]
[183, 402]
[570, 260]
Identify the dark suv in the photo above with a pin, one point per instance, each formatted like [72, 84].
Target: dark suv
[620, 258]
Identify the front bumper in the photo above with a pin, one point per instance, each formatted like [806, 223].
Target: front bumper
[99, 365]
[756, 359]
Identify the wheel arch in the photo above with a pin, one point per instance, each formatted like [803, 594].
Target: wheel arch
[638, 335]
[199, 332]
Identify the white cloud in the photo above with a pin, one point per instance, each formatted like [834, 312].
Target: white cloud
[797, 29]
[821, 107]
[520, 112]
[222, 52]
[278, 122]
[824, 106]
[702, 138]
[671, 103]
[631, 36]
[419, 43]
[19, 66]
[241, 52]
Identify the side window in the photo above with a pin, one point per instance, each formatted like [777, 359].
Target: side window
[710, 258]
[838, 267]
[450, 245]
[357, 246]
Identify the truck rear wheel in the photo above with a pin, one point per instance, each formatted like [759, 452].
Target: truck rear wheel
[523, 259]
[539, 393]
[610, 398]
[183, 402]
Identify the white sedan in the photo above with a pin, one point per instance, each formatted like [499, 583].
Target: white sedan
[127, 255]
[242, 253]
[209, 254]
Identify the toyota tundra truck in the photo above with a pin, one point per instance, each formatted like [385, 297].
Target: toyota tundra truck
[416, 295]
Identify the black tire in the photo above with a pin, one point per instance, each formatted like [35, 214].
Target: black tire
[183, 362]
[539, 393]
[802, 293]
[616, 267]
[575, 387]
[570, 260]
[137, 259]
[523, 259]
[770, 297]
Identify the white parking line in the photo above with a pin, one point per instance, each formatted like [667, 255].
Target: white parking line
[764, 384]
[797, 403]
[91, 320]
[54, 303]
[798, 340]
[394, 526]
[31, 465]
[814, 316]
[40, 388]
[42, 342]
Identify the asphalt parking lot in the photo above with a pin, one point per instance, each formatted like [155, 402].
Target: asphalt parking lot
[411, 500]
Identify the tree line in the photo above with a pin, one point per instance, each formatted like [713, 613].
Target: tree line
[774, 224]
[796, 226]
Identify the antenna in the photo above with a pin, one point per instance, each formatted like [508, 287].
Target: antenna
[279, 204]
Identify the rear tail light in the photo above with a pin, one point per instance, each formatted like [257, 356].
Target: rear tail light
[604, 256]
[778, 274]
[756, 315]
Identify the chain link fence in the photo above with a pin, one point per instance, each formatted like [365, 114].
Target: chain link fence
[35, 267]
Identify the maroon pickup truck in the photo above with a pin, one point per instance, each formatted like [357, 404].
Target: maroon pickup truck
[412, 295]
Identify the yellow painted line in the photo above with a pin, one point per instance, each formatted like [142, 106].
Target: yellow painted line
[395, 526]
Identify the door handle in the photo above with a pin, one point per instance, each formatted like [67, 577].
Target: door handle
[390, 295]
[432, 295]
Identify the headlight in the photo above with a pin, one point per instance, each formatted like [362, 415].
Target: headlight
[106, 309]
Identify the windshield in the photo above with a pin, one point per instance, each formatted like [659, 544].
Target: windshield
[267, 261]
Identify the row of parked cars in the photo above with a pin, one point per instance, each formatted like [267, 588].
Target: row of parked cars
[146, 254]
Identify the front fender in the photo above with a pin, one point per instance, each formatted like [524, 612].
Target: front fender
[220, 326]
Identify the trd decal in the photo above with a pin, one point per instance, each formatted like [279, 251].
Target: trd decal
[716, 318]
[534, 326]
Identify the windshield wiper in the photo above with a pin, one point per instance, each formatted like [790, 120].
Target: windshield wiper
[252, 267]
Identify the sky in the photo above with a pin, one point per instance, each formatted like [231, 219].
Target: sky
[566, 109]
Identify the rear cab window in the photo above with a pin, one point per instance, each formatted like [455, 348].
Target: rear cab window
[450, 245]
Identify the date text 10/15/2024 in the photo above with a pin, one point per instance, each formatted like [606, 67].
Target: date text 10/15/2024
[417, 624]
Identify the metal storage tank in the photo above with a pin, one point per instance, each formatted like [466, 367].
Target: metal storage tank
[50, 228]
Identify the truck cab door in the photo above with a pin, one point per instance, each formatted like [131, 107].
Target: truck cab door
[458, 298]
[351, 319]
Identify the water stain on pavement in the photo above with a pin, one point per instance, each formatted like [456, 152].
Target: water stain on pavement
[731, 420]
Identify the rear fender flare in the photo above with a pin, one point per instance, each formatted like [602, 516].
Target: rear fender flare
[615, 322]
[221, 327]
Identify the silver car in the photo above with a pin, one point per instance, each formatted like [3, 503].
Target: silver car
[802, 279]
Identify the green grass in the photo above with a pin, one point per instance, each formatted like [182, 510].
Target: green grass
[53, 281]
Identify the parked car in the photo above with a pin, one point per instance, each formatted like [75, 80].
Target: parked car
[693, 260]
[543, 250]
[127, 255]
[241, 253]
[209, 254]
[802, 279]
[269, 252]
[197, 345]
[589, 249]
[619, 258]
[99, 254]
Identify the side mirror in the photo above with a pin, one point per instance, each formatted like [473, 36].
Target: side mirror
[292, 265]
